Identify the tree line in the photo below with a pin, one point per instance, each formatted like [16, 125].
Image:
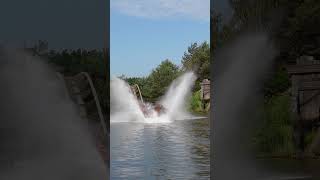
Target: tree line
[155, 84]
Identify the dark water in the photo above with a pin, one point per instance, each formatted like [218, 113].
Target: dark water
[178, 150]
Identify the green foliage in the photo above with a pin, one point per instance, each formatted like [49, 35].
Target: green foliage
[195, 104]
[292, 24]
[276, 132]
[297, 30]
[140, 81]
[153, 86]
[310, 137]
[75, 61]
[279, 83]
[252, 14]
[156, 84]
[197, 59]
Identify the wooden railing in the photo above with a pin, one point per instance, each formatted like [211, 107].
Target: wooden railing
[135, 88]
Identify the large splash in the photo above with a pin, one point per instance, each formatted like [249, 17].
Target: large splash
[42, 135]
[126, 108]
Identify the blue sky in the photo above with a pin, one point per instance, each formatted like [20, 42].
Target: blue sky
[145, 32]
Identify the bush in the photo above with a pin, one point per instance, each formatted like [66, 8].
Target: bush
[195, 104]
[309, 137]
[275, 135]
[279, 83]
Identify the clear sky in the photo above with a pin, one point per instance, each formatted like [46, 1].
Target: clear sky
[143, 33]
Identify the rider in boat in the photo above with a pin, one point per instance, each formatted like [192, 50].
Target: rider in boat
[159, 109]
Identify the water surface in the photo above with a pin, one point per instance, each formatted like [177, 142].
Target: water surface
[176, 150]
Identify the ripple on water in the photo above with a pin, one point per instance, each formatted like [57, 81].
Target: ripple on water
[177, 150]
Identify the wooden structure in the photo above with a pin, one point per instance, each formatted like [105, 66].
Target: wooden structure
[136, 91]
[205, 92]
[305, 80]
[205, 89]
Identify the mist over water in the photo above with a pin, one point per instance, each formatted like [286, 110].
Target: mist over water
[238, 72]
[125, 106]
[42, 135]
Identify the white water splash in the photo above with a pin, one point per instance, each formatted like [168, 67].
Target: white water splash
[175, 99]
[125, 106]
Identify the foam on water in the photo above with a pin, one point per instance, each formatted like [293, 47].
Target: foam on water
[125, 106]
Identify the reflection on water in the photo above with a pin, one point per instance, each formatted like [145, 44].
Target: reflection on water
[178, 150]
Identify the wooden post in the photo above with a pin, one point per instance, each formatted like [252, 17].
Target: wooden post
[205, 92]
[300, 127]
[203, 102]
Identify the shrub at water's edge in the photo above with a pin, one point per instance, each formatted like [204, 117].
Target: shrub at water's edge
[275, 135]
[196, 106]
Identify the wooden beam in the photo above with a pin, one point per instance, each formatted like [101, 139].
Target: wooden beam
[309, 86]
[303, 69]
